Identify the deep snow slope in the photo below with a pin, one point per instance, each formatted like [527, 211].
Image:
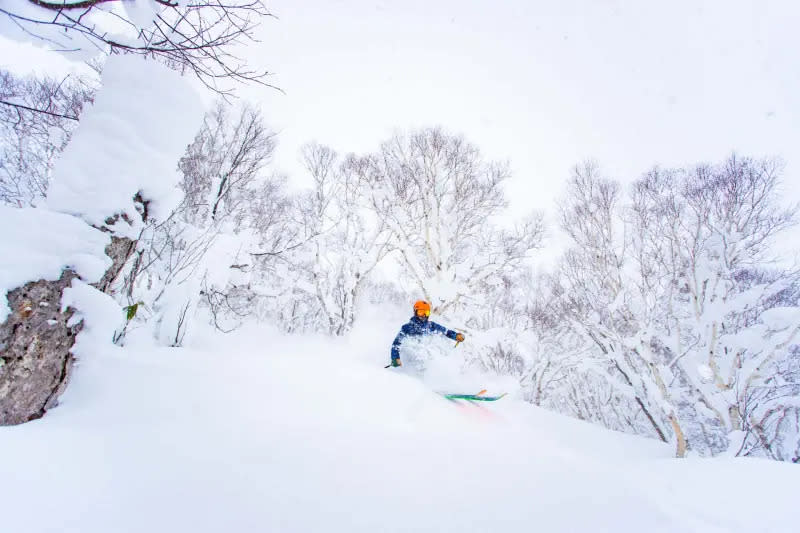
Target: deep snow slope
[281, 434]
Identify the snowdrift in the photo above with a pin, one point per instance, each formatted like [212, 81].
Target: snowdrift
[263, 432]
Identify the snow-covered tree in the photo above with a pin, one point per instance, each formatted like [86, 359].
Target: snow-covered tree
[438, 197]
[675, 292]
[346, 241]
[704, 236]
[222, 164]
[202, 251]
[601, 304]
[198, 37]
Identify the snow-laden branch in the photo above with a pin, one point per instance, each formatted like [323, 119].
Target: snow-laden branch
[198, 37]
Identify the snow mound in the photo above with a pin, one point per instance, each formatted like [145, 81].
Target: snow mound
[40, 244]
[128, 142]
[307, 434]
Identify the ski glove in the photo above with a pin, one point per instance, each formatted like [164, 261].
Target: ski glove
[459, 337]
[397, 362]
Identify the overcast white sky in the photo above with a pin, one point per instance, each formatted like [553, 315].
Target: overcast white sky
[544, 84]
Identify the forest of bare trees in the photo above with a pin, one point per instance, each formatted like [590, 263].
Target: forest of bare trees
[667, 315]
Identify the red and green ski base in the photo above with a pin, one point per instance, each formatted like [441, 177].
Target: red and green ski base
[472, 397]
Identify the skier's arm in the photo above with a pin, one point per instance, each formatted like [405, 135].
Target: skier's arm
[396, 344]
[449, 333]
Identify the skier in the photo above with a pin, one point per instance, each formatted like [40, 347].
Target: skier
[420, 325]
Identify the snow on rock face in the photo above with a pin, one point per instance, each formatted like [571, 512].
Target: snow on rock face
[128, 142]
[39, 244]
[42, 254]
[127, 146]
[98, 311]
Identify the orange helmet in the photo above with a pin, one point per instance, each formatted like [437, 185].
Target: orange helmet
[422, 305]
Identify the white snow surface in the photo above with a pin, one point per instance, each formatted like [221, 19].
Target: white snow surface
[23, 58]
[128, 141]
[39, 244]
[98, 311]
[256, 431]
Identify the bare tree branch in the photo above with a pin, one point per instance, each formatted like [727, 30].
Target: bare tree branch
[20, 106]
[196, 37]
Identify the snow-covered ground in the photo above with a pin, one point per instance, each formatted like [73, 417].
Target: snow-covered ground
[256, 431]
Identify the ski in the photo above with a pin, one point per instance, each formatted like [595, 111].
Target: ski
[473, 397]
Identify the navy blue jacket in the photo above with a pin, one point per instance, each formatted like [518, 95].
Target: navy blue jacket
[416, 327]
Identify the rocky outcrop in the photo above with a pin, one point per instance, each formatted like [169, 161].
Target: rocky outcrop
[35, 343]
[37, 338]
[119, 251]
